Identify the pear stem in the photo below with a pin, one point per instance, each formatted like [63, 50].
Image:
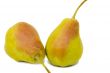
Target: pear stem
[46, 68]
[78, 8]
[42, 63]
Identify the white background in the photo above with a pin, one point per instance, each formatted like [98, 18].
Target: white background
[45, 15]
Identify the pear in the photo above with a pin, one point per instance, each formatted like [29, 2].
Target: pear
[64, 46]
[23, 44]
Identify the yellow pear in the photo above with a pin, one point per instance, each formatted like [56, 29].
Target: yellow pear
[64, 45]
[22, 43]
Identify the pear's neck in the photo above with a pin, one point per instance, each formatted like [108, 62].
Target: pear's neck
[75, 25]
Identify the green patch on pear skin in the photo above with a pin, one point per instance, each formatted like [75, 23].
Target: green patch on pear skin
[74, 52]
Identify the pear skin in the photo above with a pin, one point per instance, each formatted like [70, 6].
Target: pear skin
[22, 43]
[64, 46]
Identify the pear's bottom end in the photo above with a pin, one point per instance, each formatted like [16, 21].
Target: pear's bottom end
[28, 62]
[64, 66]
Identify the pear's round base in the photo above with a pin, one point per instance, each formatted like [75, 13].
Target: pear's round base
[63, 66]
[28, 62]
